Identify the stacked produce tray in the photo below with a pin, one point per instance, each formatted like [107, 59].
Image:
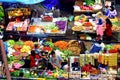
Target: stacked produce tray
[57, 27]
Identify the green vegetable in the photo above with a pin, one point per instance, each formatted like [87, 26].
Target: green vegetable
[63, 19]
[108, 47]
[26, 74]
[50, 27]
[116, 23]
[1, 8]
[1, 19]
[20, 43]
[89, 2]
[15, 73]
[55, 48]
[66, 54]
[10, 43]
[50, 44]
[1, 14]
[10, 59]
[21, 62]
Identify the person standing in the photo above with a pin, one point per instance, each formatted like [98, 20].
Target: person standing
[100, 28]
[108, 30]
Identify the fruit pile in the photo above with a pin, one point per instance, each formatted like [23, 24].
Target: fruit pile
[81, 23]
[58, 26]
[85, 7]
[47, 19]
[17, 50]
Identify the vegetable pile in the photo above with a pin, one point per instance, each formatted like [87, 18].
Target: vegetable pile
[56, 26]
[61, 44]
[89, 2]
[16, 50]
[61, 25]
[1, 15]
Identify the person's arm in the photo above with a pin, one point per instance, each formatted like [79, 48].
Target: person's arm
[52, 63]
[107, 13]
[60, 59]
[115, 13]
[44, 71]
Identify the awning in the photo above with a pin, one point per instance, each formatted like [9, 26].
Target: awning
[23, 1]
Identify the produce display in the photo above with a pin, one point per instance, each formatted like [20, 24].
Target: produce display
[87, 5]
[118, 71]
[2, 15]
[18, 50]
[58, 25]
[116, 25]
[87, 24]
[90, 64]
[19, 12]
[89, 2]
[83, 23]
[18, 19]
[18, 25]
[59, 59]
[47, 19]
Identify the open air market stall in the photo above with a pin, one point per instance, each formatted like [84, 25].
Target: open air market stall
[46, 58]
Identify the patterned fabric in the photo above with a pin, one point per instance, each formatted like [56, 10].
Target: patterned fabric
[100, 30]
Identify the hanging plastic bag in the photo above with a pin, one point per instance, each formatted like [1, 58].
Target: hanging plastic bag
[95, 48]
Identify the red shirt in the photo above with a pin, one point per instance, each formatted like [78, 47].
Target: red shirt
[33, 61]
[108, 31]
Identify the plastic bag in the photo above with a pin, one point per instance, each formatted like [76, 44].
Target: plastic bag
[95, 48]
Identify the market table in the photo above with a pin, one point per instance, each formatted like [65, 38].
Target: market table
[86, 25]
[56, 27]
[87, 12]
[116, 34]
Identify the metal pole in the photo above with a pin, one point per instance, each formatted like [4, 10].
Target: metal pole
[4, 58]
[115, 3]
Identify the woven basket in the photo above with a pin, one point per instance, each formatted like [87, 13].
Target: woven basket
[75, 50]
[73, 43]
[78, 3]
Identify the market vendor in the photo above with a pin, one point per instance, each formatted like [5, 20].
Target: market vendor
[36, 49]
[43, 63]
[33, 59]
[55, 60]
[108, 30]
[112, 12]
[75, 65]
[97, 40]
[100, 28]
[96, 47]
